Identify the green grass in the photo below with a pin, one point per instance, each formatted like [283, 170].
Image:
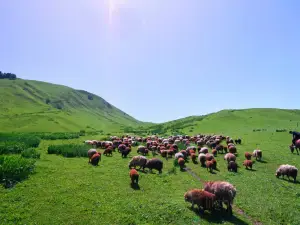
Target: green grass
[24, 108]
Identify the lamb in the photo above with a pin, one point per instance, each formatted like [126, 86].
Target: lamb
[230, 157]
[248, 155]
[203, 199]
[155, 164]
[287, 170]
[95, 159]
[138, 161]
[224, 192]
[248, 163]
[181, 163]
[202, 159]
[232, 166]
[257, 154]
[134, 176]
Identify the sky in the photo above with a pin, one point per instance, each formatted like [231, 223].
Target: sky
[159, 60]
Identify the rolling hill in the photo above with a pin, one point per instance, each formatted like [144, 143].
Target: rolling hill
[28, 105]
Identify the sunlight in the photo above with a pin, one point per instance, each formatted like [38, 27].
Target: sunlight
[113, 7]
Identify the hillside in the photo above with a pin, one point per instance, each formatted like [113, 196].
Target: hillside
[233, 122]
[28, 105]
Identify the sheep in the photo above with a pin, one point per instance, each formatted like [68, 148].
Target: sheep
[230, 157]
[248, 155]
[184, 153]
[232, 149]
[125, 152]
[90, 153]
[238, 141]
[202, 159]
[144, 151]
[134, 176]
[108, 151]
[179, 155]
[248, 163]
[203, 199]
[220, 148]
[224, 192]
[214, 162]
[154, 164]
[193, 157]
[257, 154]
[121, 147]
[214, 152]
[181, 163]
[203, 150]
[293, 147]
[170, 152]
[138, 161]
[209, 156]
[287, 170]
[95, 159]
[209, 166]
[232, 166]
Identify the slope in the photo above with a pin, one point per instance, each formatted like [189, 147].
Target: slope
[28, 105]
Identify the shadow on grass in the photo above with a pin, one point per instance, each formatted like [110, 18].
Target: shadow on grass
[261, 161]
[183, 169]
[135, 186]
[251, 170]
[218, 217]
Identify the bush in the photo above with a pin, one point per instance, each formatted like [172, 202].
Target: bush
[30, 153]
[30, 140]
[58, 135]
[81, 132]
[12, 147]
[14, 168]
[69, 150]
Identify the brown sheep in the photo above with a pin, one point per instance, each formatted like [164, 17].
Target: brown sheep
[90, 153]
[181, 163]
[154, 164]
[287, 170]
[95, 159]
[214, 152]
[108, 151]
[209, 166]
[232, 166]
[248, 155]
[248, 163]
[232, 149]
[203, 199]
[134, 176]
[193, 157]
[230, 157]
[209, 156]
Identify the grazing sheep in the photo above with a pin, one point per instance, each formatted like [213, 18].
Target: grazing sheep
[204, 150]
[248, 155]
[232, 149]
[95, 159]
[184, 153]
[214, 164]
[257, 154]
[214, 152]
[203, 199]
[232, 166]
[125, 152]
[155, 164]
[164, 153]
[224, 192]
[287, 170]
[209, 156]
[230, 157]
[248, 163]
[219, 148]
[209, 166]
[90, 153]
[144, 151]
[193, 157]
[170, 152]
[202, 159]
[138, 161]
[181, 163]
[134, 176]
[121, 147]
[179, 155]
[108, 151]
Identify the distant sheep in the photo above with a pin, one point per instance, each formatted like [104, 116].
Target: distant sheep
[232, 166]
[125, 152]
[155, 163]
[209, 156]
[138, 161]
[224, 192]
[230, 157]
[287, 170]
[203, 199]
[134, 176]
[248, 163]
[144, 151]
[202, 159]
[257, 154]
[248, 155]
[204, 150]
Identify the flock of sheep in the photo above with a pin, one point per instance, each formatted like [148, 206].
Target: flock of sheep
[214, 193]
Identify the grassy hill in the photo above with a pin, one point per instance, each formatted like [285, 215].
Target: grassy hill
[27, 105]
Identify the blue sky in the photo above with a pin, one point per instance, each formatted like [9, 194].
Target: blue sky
[159, 60]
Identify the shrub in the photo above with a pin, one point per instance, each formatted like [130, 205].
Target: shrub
[30, 153]
[81, 132]
[58, 135]
[69, 150]
[30, 140]
[12, 147]
[14, 168]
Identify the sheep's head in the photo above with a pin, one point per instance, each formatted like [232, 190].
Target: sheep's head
[187, 196]
[278, 173]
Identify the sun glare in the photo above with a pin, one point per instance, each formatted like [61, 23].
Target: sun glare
[113, 7]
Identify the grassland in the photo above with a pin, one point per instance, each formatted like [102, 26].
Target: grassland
[34, 106]
[69, 191]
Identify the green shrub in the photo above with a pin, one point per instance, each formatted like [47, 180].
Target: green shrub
[30, 153]
[14, 168]
[12, 147]
[69, 150]
[30, 140]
